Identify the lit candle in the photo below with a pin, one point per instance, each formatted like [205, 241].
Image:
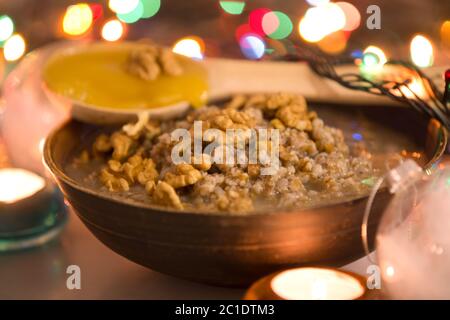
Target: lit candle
[309, 284]
[18, 184]
[24, 198]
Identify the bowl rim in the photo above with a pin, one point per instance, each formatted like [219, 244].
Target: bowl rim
[59, 174]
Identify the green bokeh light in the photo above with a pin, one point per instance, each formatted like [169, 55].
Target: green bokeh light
[151, 7]
[232, 7]
[284, 28]
[370, 60]
[134, 15]
[6, 28]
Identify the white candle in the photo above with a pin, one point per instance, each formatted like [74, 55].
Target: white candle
[18, 184]
[316, 284]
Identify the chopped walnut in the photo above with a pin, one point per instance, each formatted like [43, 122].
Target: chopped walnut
[253, 170]
[316, 165]
[277, 124]
[184, 175]
[115, 166]
[148, 173]
[233, 119]
[169, 62]
[295, 116]
[279, 100]
[256, 101]
[112, 182]
[150, 187]
[102, 144]
[204, 162]
[143, 63]
[165, 194]
[237, 102]
[149, 61]
[121, 144]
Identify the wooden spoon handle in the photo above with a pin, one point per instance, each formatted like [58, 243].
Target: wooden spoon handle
[228, 76]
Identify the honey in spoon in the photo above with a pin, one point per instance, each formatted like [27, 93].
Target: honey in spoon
[97, 75]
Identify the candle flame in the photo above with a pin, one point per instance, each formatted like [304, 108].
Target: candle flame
[18, 184]
[316, 283]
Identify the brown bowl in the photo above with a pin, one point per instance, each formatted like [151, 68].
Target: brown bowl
[232, 250]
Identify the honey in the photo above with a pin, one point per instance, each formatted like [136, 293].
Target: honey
[96, 75]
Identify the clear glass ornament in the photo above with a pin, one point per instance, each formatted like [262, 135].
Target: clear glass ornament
[413, 239]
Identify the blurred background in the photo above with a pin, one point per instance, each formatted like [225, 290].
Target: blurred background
[219, 25]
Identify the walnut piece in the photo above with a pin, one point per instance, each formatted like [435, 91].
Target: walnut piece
[184, 175]
[169, 62]
[112, 182]
[102, 144]
[121, 144]
[149, 61]
[295, 116]
[143, 63]
[203, 162]
[164, 194]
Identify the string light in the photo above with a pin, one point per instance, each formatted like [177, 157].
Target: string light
[421, 51]
[134, 15]
[374, 58]
[317, 2]
[14, 48]
[232, 7]
[277, 25]
[192, 47]
[255, 20]
[6, 28]
[333, 43]
[321, 21]
[445, 34]
[97, 10]
[151, 7]
[123, 6]
[77, 19]
[252, 46]
[112, 30]
[352, 16]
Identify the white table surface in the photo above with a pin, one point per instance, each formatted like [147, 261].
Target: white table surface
[41, 273]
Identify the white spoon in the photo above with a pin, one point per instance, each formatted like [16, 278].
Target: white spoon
[227, 77]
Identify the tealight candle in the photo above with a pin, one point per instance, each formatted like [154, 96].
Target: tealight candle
[24, 200]
[309, 284]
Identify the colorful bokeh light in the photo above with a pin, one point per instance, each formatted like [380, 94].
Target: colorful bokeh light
[421, 51]
[255, 20]
[252, 46]
[317, 2]
[321, 21]
[445, 34]
[192, 47]
[373, 58]
[14, 48]
[6, 28]
[352, 16]
[232, 7]
[277, 25]
[132, 16]
[151, 7]
[123, 6]
[112, 30]
[333, 43]
[97, 10]
[77, 19]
